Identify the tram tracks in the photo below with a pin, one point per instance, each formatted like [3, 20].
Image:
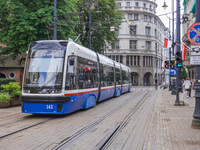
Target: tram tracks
[26, 127]
[25, 119]
[108, 140]
[66, 142]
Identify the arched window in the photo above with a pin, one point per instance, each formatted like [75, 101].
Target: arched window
[2, 75]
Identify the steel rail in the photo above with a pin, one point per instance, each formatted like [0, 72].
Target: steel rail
[84, 130]
[109, 139]
[23, 129]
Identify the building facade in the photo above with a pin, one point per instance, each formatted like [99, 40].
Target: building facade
[188, 19]
[11, 68]
[141, 39]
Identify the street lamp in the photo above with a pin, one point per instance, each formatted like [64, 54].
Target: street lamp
[164, 5]
[55, 19]
[178, 78]
[90, 14]
[156, 76]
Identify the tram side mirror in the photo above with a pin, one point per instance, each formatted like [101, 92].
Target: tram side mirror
[71, 61]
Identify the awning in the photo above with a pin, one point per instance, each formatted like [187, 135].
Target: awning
[184, 4]
[193, 7]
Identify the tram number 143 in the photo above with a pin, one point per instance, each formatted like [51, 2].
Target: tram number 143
[49, 106]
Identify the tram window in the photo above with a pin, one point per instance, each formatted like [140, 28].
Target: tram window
[87, 73]
[117, 74]
[71, 60]
[70, 83]
[125, 77]
[107, 75]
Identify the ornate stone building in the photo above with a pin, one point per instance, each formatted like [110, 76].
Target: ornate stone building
[141, 39]
[188, 19]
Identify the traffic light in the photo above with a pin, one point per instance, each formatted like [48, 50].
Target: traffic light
[167, 64]
[178, 59]
[172, 65]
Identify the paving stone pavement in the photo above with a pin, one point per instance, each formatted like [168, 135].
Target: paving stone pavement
[170, 126]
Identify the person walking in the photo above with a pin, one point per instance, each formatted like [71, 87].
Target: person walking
[187, 86]
[156, 84]
[163, 85]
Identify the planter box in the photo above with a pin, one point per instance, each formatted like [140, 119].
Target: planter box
[4, 104]
[15, 101]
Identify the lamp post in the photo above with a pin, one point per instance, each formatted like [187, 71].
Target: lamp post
[173, 83]
[90, 14]
[178, 78]
[164, 7]
[156, 77]
[196, 115]
[55, 20]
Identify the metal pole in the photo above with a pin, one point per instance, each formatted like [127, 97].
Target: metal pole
[55, 19]
[90, 14]
[156, 78]
[178, 49]
[169, 57]
[173, 83]
[196, 115]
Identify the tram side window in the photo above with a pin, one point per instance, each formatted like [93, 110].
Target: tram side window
[107, 75]
[87, 73]
[117, 74]
[71, 74]
[125, 77]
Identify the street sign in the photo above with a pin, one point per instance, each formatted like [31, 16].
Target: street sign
[195, 60]
[194, 33]
[173, 71]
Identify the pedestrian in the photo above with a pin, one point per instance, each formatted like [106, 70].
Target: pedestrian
[155, 83]
[190, 88]
[187, 86]
[163, 85]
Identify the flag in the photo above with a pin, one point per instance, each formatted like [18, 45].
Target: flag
[112, 28]
[167, 43]
[184, 51]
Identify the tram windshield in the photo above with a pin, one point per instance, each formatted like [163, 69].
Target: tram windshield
[44, 72]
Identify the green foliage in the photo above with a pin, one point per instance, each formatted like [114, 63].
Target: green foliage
[101, 21]
[6, 81]
[16, 93]
[23, 22]
[5, 97]
[12, 88]
[184, 73]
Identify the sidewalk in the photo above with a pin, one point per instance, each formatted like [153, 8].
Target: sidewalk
[173, 124]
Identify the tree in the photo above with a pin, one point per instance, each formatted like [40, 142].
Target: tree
[104, 14]
[184, 73]
[24, 21]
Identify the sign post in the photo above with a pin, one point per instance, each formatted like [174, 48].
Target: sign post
[194, 38]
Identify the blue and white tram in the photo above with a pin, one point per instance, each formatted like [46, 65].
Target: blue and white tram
[61, 77]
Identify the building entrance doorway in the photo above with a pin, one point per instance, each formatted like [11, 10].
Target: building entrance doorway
[135, 78]
[148, 79]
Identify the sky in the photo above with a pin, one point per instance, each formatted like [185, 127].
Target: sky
[160, 11]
